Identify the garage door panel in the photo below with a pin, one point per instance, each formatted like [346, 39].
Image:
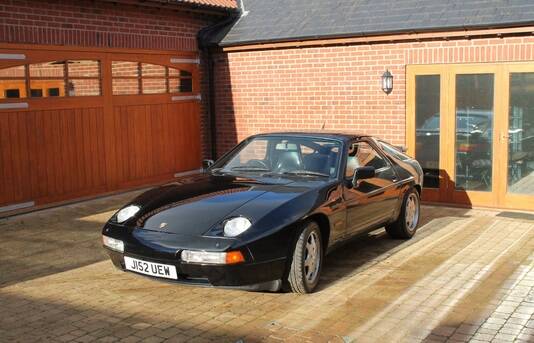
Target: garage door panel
[5, 156]
[187, 155]
[68, 146]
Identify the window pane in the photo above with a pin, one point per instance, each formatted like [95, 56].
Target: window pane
[84, 87]
[36, 93]
[180, 85]
[179, 73]
[12, 93]
[125, 86]
[154, 86]
[427, 128]
[48, 69]
[54, 91]
[48, 87]
[15, 85]
[474, 128]
[17, 71]
[363, 155]
[84, 68]
[392, 150]
[521, 133]
[12, 89]
[152, 70]
[123, 68]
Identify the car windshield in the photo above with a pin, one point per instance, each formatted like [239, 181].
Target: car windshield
[281, 155]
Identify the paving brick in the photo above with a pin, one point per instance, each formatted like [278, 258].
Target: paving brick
[374, 289]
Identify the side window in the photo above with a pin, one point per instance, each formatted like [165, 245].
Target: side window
[394, 151]
[153, 79]
[361, 154]
[125, 77]
[145, 78]
[13, 82]
[51, 79]
[83, 78]
[47, 75]
[180, 81]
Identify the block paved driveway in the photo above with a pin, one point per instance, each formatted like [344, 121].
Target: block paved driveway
[468, 275]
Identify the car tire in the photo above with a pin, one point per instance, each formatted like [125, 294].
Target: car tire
[305, 270]
[406, 224]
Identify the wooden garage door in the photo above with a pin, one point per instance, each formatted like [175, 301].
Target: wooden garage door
[79, 123]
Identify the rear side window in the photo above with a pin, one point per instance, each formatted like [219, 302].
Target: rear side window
[395, 152]
[361, 154]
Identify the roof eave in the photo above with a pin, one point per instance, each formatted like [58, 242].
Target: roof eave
[371, 35]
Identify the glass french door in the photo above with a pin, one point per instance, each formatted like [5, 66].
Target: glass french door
[518, 137]
[472, 129]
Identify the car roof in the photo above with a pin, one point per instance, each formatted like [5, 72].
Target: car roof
[343, 136]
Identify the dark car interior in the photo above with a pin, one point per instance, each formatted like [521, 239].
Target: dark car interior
[287, 156]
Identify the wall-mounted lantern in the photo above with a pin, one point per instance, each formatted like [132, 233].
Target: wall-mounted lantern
[387, 82]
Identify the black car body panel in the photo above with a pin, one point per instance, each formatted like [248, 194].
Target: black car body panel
[191, 216]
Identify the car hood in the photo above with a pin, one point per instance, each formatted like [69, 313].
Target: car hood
[194, 208]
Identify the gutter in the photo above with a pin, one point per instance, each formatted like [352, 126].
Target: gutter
[206, 46]
[379, 37]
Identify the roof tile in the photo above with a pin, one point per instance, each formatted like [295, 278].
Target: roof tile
[279, 20]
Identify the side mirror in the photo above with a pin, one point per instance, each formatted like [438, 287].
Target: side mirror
[363, 173]
[206, 164]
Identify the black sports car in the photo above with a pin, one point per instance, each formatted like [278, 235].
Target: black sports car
[266, 214]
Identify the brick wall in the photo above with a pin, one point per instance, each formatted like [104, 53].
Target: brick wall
[93, 23]
[339, 86]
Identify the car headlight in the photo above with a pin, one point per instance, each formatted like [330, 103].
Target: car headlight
[127, 213]
[236, 226]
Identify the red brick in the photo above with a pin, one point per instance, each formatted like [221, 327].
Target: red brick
[339, 85]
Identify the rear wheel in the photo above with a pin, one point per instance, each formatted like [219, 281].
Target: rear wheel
[307, 261]
[406, 225]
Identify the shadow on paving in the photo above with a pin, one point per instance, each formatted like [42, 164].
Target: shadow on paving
[364, 251]
[54, 240]
[68, 237]
[27, 319]
[98, 302]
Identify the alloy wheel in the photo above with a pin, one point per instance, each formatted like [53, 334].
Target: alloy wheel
[412, 212]
[312, 257]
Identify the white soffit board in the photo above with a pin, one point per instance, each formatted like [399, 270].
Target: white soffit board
[185, 60]
[12, 57]
[13, 105]
[186, 97]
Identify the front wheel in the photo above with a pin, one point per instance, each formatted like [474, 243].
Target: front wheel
[307, 260]
[406, 225]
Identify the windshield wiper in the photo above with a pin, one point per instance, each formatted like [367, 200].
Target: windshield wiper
[250, 169]
[217, 171]
[305, 173]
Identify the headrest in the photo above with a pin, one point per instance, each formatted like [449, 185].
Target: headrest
[285, 146]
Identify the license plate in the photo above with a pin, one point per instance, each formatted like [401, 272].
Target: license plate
[150, 268]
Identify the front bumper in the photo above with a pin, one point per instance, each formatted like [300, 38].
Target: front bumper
[236, 275]
[265, 259]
